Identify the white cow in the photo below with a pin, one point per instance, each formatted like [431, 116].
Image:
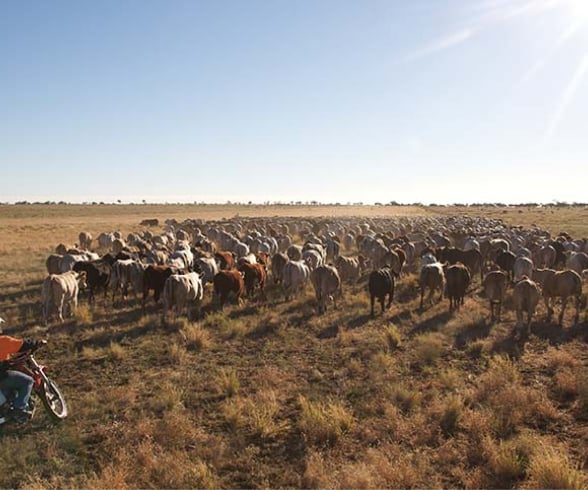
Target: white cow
[182, 291]
[523, 266]
[60, 291]
[295, 276]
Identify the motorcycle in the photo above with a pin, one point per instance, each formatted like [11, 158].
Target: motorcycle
[44, 389]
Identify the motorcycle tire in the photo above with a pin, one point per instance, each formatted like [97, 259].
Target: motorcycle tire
[53, 400]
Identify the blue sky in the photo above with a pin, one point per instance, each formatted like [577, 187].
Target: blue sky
[292, 100]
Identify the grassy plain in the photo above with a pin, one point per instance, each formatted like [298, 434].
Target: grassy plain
[271, 395]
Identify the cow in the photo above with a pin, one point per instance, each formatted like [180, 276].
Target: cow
[526, 295]
[522, 266]
[457, 281]
[60, 291]
[154, 278]
[562, 284]
[505, 260]
[150, 222]
[472, 258]
[182, 291]
[253, 275]
[295, 276]
[433, 278]
[126, 272]
[380, 284]
[228, 282]
[327, 283]
[494, 285]
[349, 268]
[85, 240]
[278, 261]
[97, 276]
[313, 258]
[577, 261]
[207, 267]
[226, 260]
[294, 252]
[53, 263]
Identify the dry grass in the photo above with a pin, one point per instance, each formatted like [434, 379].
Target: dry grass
[267, 394]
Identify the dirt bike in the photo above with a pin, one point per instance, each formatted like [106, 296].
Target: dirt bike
[44, 388]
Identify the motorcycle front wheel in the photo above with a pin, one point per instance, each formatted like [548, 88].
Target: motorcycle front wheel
[53, 400]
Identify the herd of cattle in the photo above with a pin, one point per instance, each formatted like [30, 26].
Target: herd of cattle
[237, 256]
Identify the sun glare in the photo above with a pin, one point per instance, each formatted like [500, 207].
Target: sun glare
[578, 9]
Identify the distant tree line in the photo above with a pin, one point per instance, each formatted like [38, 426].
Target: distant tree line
[553, 204]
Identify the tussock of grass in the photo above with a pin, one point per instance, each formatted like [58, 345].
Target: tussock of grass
[392, 337]
[84, 315]
[259, 415]
[117, 352]
[228, 382]
[195, 337]
[428, 348]
[551, 468]
[323, 423]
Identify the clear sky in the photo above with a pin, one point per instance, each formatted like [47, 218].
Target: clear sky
[433, 101]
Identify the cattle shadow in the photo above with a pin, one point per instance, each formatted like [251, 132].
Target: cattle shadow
[262, 331]
[244, 311]
[431, 324]
[513, 345]
[470, 333]
[359, 321]
[329, 332]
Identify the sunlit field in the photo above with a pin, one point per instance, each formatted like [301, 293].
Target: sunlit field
[270, 394]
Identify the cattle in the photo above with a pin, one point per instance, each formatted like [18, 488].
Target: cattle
[150, 222]
[577, 261]
[52, 263]
[228, 282]
[60, 292]
[207, 267]
[327, 283]
[392, 260]
[546, 257]
[127, 272]
[254, 275]
[154, 278]
[97, 276]
[472, 258]
[457, 281]
[182, 291]
[562, 284]
[295, 276]
[380, 284]
[432, 277]
[313, 258]
[526, 295]
[505, 260]
[278, 261]
[226, 260]
[333, 248]
[294, 252]
[522, 266]
[85, 240]
[494, 285]
[349, 268]
[182, 259]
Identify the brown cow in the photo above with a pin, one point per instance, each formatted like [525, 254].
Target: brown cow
[253, 275]
[227, 282]
[226, 260]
